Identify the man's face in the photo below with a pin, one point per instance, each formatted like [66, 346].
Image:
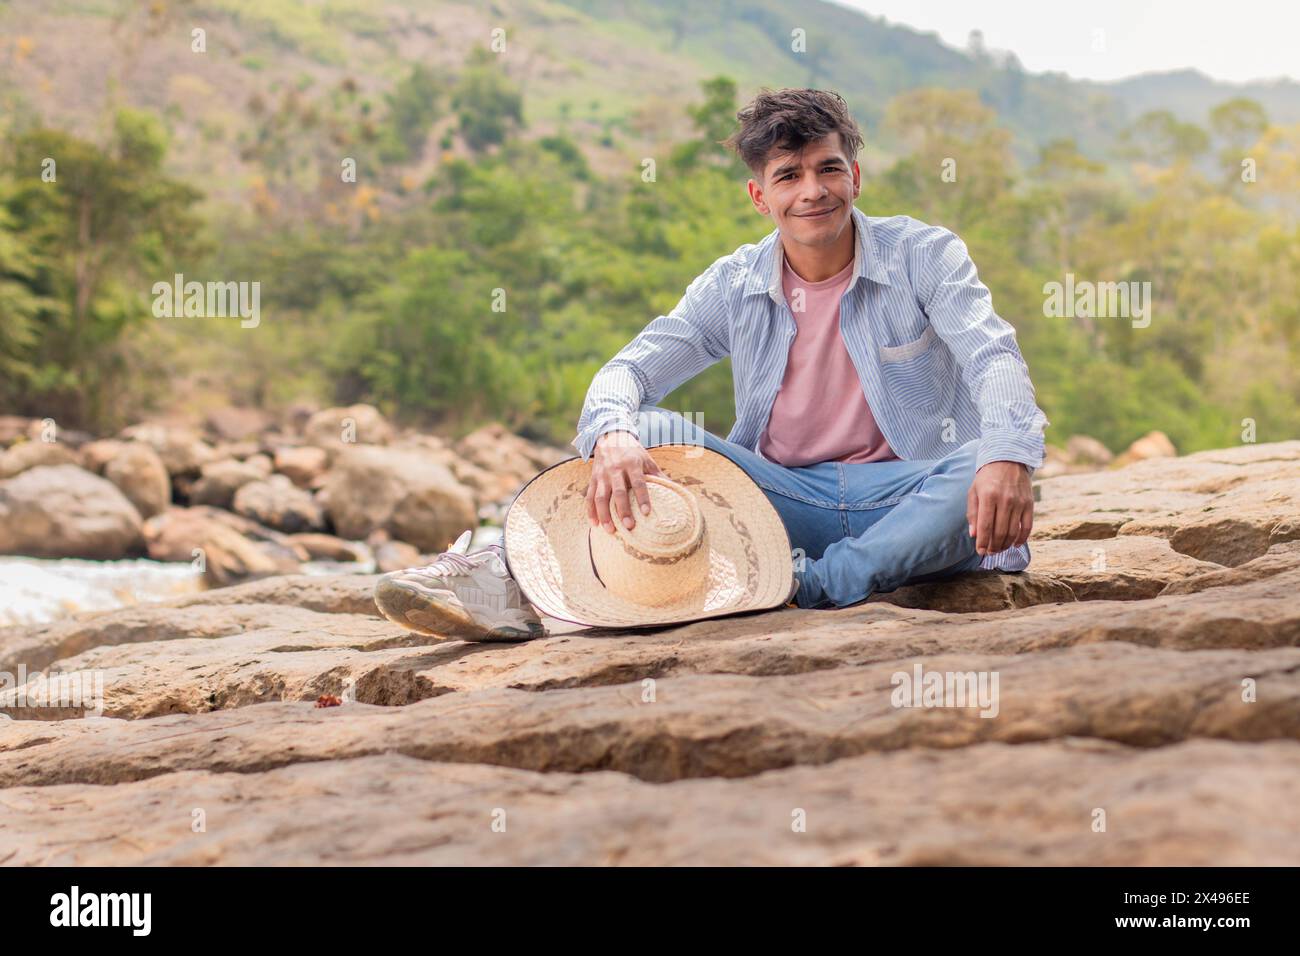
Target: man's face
[808, 194]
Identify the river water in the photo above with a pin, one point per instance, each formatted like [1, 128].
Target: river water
[34, 590]
[37, 590]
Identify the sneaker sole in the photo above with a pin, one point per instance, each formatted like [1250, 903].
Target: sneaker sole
[416, 611]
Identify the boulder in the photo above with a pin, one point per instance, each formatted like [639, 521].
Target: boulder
[224, 555]
[396, 556]
[504, 459]
[239, 450]
[1151, 445]
[399, 491]
[236, 424]
[138, 471]
[335, 429]
[96, 455]
[182, 450]
[276, 543]
[1086, 450]
[1055, 462]
[326, 547]
[219, 480]
[302, 465]
[62, 511]
[31, 454]
[278, 503]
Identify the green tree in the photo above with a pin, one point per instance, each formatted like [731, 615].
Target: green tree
[488, 106]
[714, 120]
[958, 163]
[414, 106]
[1161, 138]
[106, 225]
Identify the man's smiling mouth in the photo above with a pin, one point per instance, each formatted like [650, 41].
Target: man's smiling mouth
[818, 214]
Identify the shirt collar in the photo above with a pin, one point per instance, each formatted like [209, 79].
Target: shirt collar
[765, 272]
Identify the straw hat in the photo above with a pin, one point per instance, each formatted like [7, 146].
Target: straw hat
[711, 545]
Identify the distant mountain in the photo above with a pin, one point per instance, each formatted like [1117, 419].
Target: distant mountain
[614, 74]
[1190, 95]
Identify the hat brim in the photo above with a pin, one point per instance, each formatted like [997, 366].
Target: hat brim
[547, 551]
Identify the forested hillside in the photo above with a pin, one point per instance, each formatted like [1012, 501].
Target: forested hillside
[459, 231]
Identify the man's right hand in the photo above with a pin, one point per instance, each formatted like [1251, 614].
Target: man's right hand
[618, 465]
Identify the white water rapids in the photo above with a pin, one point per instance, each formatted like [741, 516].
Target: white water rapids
[37, 590]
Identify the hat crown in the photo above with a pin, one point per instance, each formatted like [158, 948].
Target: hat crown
[664, 557]
[674, 525]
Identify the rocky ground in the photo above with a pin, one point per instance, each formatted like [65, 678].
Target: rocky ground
[244, 496]
[1148, 712]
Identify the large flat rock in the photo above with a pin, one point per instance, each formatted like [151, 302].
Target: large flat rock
[372, 661]
[148, 670]
[37, 646]
[706, 725]
[1227, 506]
[1126, 568]
[1201, 803]
[1147, 666]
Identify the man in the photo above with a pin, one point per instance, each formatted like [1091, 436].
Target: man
[881, 403]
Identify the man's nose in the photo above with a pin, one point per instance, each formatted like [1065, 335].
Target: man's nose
[813, 189]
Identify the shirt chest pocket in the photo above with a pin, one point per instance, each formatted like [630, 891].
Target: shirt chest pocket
[913, 371]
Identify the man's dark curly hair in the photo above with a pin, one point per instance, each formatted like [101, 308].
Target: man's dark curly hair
[787, 120]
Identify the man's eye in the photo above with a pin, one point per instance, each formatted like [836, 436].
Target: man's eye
[785, 177]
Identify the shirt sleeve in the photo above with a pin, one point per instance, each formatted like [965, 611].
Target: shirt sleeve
[960, 309]
[672, 349]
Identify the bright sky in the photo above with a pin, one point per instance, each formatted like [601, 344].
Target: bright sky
[1236, 41]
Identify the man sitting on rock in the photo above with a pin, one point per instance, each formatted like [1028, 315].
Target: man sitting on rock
[881, 404]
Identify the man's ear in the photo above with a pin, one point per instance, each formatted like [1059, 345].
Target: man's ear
[857, 179]
[756, 197]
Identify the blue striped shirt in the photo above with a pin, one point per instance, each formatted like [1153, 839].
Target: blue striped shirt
[917, 323]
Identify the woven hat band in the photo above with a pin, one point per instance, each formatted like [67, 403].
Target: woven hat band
[665, 558]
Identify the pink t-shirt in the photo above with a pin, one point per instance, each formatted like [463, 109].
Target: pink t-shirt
[820, 413]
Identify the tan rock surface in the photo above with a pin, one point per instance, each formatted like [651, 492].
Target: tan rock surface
[707, 725]
[182, 450]
[55, 511]
[224, 554]
[96, 455]
[1126, 568]
[1147, 664]
[398, 490]
[1278, 558]
[31, 454]
[306, 653]
[980, 591]
[326, 547]
[336, 429]
[138, 471]
[1202, 803]
[301, 465]
[220, 480]
[279, 504]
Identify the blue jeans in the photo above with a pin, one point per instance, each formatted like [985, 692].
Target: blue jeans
[855, 529]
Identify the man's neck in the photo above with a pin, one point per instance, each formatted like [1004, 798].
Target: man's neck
[816, 264]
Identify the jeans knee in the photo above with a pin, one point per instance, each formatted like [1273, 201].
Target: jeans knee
[961, 461]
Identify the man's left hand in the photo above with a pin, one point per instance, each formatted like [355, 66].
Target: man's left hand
[1000, 506]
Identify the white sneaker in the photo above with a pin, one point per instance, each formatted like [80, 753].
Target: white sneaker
[460, 595]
